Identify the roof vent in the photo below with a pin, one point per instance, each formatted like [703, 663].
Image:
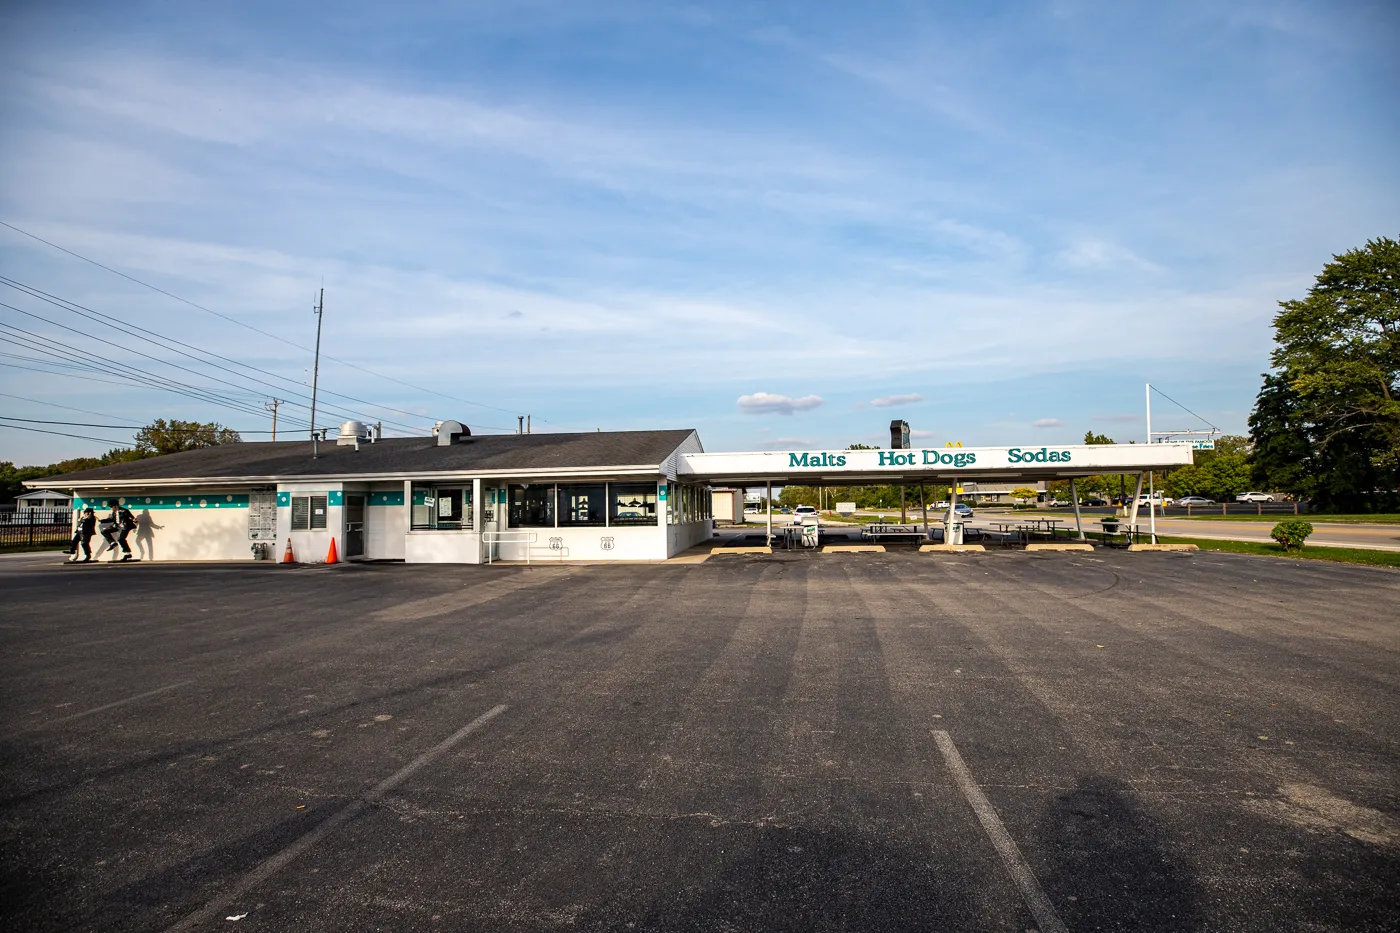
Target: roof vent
[352, 432]
[449, 432]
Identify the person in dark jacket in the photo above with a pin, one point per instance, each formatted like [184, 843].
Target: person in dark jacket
[122, 521]
[82, 535]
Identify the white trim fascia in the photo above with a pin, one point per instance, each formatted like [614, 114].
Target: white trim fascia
[634, 469]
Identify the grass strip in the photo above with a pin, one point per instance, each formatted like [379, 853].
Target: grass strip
[1317, 518]
[1342, 555]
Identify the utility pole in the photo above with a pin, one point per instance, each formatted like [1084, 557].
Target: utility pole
[527, 425]
[316, 373]
[272, 407]
[520, 424]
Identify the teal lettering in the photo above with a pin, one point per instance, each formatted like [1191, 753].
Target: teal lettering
[795, 461]
[1014, 455]
[1054, 456]
[1040, 456]
[840, 460]
[930, 457]
[971, 459]
[1064, 456]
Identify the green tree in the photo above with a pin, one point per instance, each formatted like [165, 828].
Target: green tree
[174, 436]
[1091, 438]
[1326, 423]
[1339, 348]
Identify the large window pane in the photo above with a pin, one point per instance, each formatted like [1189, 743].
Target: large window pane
[581, 504]
[532, 506]
[633, 503]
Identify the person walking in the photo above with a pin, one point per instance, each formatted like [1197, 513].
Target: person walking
[82, 535]
[122, 521]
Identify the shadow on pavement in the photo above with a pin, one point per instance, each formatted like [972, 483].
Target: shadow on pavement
[1113, 868]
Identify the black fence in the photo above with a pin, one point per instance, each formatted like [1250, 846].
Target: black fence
[35, 527]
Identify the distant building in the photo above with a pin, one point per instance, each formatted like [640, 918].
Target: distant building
[44, 499]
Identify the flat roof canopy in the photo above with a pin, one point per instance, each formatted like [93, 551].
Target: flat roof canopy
[927, 465]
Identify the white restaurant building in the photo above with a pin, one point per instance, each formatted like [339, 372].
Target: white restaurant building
[456, 498]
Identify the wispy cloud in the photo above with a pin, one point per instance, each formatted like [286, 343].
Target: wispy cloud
[766, 403]
[1047, 423]
[1092, 253]
[889, 401]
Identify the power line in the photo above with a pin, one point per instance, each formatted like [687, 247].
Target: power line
[83, 437]
[145, 377]
[162, 341]
[158, 359]
[252, 328]
[36, 401]
[1182, 407]
[135, 374]
[136, 427]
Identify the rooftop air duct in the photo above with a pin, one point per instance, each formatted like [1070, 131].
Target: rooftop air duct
[352, 432]
[449, 432]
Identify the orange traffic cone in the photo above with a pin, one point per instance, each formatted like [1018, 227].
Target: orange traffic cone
[287, 557]
[331, 556]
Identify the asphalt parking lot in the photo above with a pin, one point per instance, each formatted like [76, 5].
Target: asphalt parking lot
[1000, 741]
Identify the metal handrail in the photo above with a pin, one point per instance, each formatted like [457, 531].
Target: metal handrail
[526, 538]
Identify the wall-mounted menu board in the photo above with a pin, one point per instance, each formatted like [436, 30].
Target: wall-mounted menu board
[262, 515]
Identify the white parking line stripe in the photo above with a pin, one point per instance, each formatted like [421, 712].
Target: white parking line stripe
[275, 863]
[1040, 907]
[106, 706]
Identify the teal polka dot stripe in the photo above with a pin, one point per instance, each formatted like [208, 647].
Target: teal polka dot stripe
[141, 503]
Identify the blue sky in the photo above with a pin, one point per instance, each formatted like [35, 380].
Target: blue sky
[783, 224]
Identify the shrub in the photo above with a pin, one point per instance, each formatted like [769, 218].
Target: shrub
[1291, 533]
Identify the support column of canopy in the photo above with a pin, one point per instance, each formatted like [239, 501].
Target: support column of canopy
[478, 515]
[948, 535]
[1078, 519]
[923, 506]
[1132, 514]
[768, 501]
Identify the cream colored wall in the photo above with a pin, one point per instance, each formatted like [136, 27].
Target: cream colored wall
[680, 537]
[191, 532]
[441, 547]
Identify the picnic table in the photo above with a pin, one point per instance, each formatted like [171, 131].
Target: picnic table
[877, 531]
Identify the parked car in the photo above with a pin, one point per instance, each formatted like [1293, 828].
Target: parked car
[785, 510]
[940, 506]
[804, 511]
[1156, 499]
[962, 511]
[1093, 501]
[1195, 500]
[1254, 497]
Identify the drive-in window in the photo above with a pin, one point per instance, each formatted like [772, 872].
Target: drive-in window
[443, 508]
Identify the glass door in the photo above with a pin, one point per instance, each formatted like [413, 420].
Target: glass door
[354, 525]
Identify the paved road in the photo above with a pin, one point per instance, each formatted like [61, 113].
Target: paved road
[882, 742]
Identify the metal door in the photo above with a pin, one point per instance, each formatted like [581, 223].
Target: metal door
[354, 525]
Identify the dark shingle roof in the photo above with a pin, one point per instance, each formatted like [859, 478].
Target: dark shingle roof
[401, 455]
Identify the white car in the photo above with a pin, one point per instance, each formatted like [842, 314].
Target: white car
[1158, 500]
[1254, 497]
[804, 512]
